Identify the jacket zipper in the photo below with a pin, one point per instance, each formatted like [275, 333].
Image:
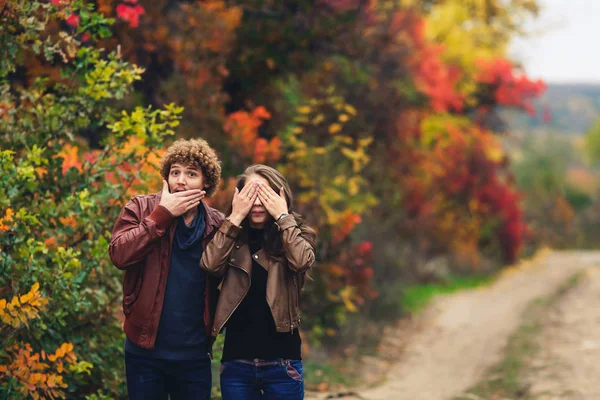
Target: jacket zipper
[240, 302]
[292, 305]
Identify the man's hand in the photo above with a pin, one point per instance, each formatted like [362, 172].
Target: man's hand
[181, 202]
[242, 202]
[274, 203]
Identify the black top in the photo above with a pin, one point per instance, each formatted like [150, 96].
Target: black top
[250, 332]
[181, 334]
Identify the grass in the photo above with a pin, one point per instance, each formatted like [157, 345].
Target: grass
[327, 376]
[415, 298]
[507, 379]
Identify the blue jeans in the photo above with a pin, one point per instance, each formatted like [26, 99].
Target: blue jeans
[155, 379]
[262, 380]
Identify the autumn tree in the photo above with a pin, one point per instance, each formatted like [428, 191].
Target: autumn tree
[59, 294]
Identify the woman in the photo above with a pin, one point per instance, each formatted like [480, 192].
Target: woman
[263, 250]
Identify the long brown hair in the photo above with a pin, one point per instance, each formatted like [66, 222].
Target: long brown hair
[272, 239]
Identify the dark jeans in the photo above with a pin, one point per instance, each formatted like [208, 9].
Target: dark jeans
[154, 379]
[261, 379]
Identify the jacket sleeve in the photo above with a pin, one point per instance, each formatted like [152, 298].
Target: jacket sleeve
[133, 236]
[298, 251]
[215, 255]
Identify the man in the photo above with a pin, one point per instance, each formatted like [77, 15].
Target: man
[168, 301]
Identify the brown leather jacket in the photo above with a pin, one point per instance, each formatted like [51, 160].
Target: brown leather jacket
[141, 245]
[226, 255]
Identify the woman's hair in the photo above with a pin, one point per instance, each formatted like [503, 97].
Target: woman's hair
[272, 239]
[198, 154]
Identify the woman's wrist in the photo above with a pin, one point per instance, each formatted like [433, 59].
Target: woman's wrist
[282, 215]
[235, 219]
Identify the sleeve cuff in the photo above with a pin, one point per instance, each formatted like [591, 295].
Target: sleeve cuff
[286, 222]
[161, 217]
[229, 229]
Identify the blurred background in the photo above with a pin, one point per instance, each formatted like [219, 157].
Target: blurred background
[431, 144]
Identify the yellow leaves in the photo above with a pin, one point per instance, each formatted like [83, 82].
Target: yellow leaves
[304, 109]
[22, 308]
[347, 294]
[334, 128]
[350, 110]
[494, 153]
[318, 119]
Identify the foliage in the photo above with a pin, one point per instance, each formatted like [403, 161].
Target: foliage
[378, 113]
[58, 200]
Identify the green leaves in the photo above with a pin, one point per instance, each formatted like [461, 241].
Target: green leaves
[58, 197]
[147, 124]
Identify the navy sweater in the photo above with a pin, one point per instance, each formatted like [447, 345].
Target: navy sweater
[181, 328]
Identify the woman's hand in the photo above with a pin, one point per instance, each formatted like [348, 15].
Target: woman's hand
[273, 202]
[242, 202]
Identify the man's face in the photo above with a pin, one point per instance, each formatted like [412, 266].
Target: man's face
[185, 177]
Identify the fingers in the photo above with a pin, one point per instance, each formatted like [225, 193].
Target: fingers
[165, 188]
[264, 198]
[235, 193]
[191, 205]
[267, 191]
[246, 188]
[253, 192]
[282, 192]
[190, 193]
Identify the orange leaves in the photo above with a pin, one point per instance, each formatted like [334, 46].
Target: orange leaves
[22, 308]
[344, 225]
[6, 222]
[71, 159]
[228, 20]
[124, 173]
[37, 378]
[65, 351]
[242, 128]
[266, 151]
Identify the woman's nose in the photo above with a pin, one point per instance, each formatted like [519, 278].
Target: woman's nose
[257, 201]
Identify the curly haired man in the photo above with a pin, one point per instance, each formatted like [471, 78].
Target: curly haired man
[168, 300]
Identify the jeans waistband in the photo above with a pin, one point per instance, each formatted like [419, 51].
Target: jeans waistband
[257, 362]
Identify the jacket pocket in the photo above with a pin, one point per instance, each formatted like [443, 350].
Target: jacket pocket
[132, 287]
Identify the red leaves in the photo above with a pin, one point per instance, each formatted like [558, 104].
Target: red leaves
[130, 12]
[432, 76]
[438, 80]
[73, 20]
[343, 5]
[509, 86]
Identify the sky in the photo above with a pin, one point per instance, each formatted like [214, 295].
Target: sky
[563, 42]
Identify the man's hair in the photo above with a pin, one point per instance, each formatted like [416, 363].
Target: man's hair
[198, 154]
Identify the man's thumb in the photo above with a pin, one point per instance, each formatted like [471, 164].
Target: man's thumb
[165, 188]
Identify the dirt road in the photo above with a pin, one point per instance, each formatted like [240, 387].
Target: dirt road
[568, 364]
[463, 334]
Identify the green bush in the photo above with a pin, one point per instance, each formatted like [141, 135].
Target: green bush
[56, 212]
